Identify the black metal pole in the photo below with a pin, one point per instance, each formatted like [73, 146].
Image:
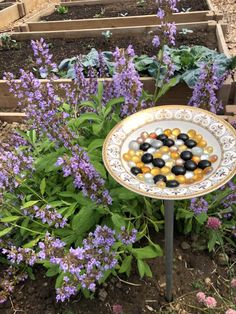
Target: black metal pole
[169, 235]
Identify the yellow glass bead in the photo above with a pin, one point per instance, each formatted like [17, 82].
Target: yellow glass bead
[197, 177]
[167, 132]
[182, 148]
[170, 176]
[131, 152]
[202, 144]
[208, 149]
[165, 170]
[140, 176]
[169, 163]
[196, 159]
[157, 155]
[161, 184]
[173, 149]
[198, 171]
[207, 170]
[136, 159]
[213, 158]
[173, 137]
[176, 131]
[140, 164]
[146, 169]
[139, 153]
[189, 181]
[164, 149]
[126, 157]
[198, 138]
[174, 155]
[191, 133]
[155, 171]
[181, 179]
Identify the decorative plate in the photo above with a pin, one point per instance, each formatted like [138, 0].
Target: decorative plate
[218, 133]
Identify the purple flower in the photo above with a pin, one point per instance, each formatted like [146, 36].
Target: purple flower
[156, 41]
[127, 238]
[213, 223]
[160, 13]
[199, 205]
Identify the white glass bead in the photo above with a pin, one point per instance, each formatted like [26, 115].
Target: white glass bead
[197, 151]
[179, 162]
[151, 150]
[189, 175]
[165, 157]
[149, 181]
[148, 176]
[158, 131]
[173, 148]
[204, 157]
[179, 142]
[134, 145]
[156, 143]
[148, 140]
[131, 164]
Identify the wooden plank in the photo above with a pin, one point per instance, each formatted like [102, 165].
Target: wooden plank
[10, 117]
[8, 15]
[231, 109]
[222, 46]
[197, 16]
[30, 5]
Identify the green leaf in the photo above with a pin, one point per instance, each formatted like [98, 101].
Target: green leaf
[59, 280]
[172, 82]
[85, 219]
[146, 252]
[111, 103]
[52, 271]
[24, 224]
[100, 168]
[43, 186]
[10, 218]
[201, 218]
[29, 204]
[95, 144]
[5, 231]
[118, 221]
[212, 240]
[126, 265]
[32, 243]
[90, 116]
[123, 193]
[144, 268]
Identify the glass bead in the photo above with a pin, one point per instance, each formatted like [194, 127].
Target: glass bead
[126, 157]
[132, 164]
[153, 135]
[197, 177]
[148, 175]
[173, 149]
[161, 184]
[189, 181]
[148, 140]
[207, 170]
[182, 148]
[202, 144]
[189, 175]
[191, 133]
[180, 179]
[164, 149]
[146, 169]
[156, 143]
[196, 159]
[167, 132]
[176, 131]
[133, 145]
[213, 158]
[198, 138]
[149, 181]
[157, 155]
[140, 176]
[170, 176]
[170, 163]
[204, 157]
[179, 162]
[165, 170]
[208, 149]
[172, 137]
[155, 171]
[198, 151]
[140, 140]
[140, 164]
[198, 171]
[165, 157]
[151, 150]
[144, 135]
[174, 155]
[131, 152]
[179, 142]
[139, 153]
[136, 159]
[158, 131]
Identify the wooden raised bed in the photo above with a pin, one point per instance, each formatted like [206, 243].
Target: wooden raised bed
[9, 13]
[29, 5]
[179, 94]
[34, 24]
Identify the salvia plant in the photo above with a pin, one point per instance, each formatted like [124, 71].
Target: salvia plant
[62, 9]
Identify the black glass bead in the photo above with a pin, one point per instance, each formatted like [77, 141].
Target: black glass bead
[145, 146]
[147, 158]
[183, 136]
[168, 142]
[204, 164]
[172, 184]
[159, 177]
[190, 165]
[135, 170]
[186, 155]
[178, 170]
[190, 143]
[161, 137]
[158, 162]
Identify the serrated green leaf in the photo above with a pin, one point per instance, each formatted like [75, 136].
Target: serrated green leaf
[43, 186]
[85, 219]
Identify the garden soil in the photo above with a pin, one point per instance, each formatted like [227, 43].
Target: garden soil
[135, 295]
[125, 8]
[67, 48]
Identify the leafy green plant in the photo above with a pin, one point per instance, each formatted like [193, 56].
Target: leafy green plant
[100, 14]
[7, 43]
[62, 9]
[107, 34]
[141, 3]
